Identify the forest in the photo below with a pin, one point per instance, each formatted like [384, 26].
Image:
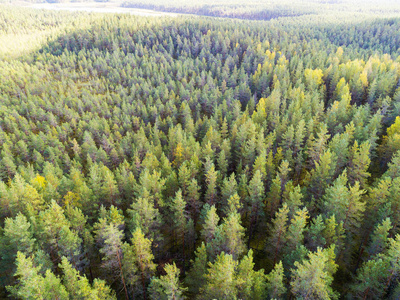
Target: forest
[191, 157]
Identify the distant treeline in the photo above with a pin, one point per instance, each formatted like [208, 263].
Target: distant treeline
[244, 11]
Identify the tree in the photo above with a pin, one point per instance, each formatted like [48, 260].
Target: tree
[220, 279]
[141, 247]
[112, 251]
[278, 229]
[211, 183]
[79, 288]
[17, 237]
[333, 233]
[195, 278]
[295, 232]
[317, 145]
[59, 236]
[359, 163]
[276, 282]
[146, 217]
[315, 237]
[229, 237]
[167, 287]
[292, 196]
[250, 284]
[32, 285]
[380, 237]
[256, 197]
[393, 257]
[371, 279]
[109, 187]
[228, 189]
[180, 221]
[210, 225]
[321, 176]
[312, 278]
[345, 203]
[193, 197]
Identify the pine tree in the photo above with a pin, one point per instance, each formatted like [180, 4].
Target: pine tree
[333, 233]
[59, 236]
[195, 278]
[249, 283]
[210, 225]
[345, 203]
[278, 229]
[313, 277]
[220, 279]
[32, 285]
[295, 232]
[316, 146]
[371, 279]
[193, 197]
[17, 236]
[320, 177]
[359, 163]
[167, 287]
[109, 187]
[146, 217]
[256, 202]
[292, 196]
[393, 257]
[211, 183]
[229, 188]
[276, 282]
[379, 238]
[112, 251]
[79, 288]
[274, 196]
[315, 237]
[229, 237]
[141, 247]
[180, 221]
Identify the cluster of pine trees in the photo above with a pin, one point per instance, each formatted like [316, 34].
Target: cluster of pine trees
[145, 158]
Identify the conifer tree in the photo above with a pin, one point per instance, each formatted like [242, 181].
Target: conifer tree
[276, 282]
[229, 237]
[146, 217]
[371, 279]
[278, 230]
[32, 285]
[210, 225]
[256, 204]
[141, 247]
[113, 255]
[379, 238]
[79, 288]
[220, 279]
[345, 203]
[250, 284]
[295, 232]
[195, 278]
[167, 287]
[313, 277]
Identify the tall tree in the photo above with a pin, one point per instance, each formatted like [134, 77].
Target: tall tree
[312, 278]
[167, 287]
[32, 285]
[220, 279]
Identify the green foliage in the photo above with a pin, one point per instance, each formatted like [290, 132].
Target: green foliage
[167, 287]
[32, 285]
[126, 143]
[313, 277]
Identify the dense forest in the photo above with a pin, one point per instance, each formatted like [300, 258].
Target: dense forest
[199, 158]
